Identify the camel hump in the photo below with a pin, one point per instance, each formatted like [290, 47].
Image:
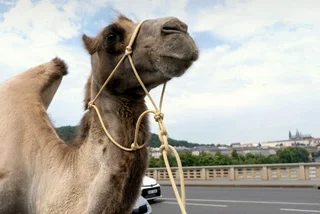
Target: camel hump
[40, 82]
[60, 65]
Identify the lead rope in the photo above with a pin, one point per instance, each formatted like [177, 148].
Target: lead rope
[158, 116]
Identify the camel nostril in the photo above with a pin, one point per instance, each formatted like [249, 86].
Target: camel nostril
[174, 26]
[169, 30]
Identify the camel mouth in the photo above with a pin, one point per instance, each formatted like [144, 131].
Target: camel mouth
[174, 66]
[179, 46]
[180, 57]
[176, 53]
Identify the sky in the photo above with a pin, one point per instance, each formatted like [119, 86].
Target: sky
[257, 76]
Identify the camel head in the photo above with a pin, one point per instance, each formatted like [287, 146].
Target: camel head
[162, 50]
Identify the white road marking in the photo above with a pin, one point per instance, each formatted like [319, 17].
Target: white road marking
[247, 202]
[193, 204]
[304, 211]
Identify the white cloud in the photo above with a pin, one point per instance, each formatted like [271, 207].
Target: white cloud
[236, 20]
[147, 9]
[268, 57]
[270, 67]
[8, 2]
[32, 33]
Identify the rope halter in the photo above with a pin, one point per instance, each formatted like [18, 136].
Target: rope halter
[158, 116]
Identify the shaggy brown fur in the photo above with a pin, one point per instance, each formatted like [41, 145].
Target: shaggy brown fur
[39, 173]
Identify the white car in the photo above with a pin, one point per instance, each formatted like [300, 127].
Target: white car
[142, 206]
[150, 189]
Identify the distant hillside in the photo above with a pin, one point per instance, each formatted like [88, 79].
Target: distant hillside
[67, 133]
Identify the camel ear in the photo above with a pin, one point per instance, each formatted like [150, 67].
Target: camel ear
[90, 43]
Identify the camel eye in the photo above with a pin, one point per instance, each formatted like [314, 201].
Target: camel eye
[112, 40]
[111, 37]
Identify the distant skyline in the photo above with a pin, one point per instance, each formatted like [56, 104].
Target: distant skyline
[258, 75]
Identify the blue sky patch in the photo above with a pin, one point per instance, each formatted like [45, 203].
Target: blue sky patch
[206, 39]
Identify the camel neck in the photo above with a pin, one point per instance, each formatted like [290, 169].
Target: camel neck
[124, 169]
[120, 116]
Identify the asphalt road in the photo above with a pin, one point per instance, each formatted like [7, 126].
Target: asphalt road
[205, 200]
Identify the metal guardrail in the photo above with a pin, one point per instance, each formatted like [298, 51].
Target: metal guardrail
[263, 172]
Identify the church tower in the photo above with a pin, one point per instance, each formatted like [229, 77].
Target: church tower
[290, 135]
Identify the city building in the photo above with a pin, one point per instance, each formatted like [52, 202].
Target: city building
[299, 136]
[233, 145]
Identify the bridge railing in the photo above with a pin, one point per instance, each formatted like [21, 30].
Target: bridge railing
[299, 171]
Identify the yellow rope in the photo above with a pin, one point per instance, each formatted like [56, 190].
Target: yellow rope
[158, 116]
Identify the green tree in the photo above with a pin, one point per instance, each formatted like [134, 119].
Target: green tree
[171, 159]
[155, 162]
[271, 159]
[205, 159]
[234, 154]
[293, 155]
[187, 159]
[220, 159]
[250, 158]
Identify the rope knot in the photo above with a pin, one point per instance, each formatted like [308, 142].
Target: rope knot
[134, 146]
[158, 116]
[90, 104]
[128, 50]
[163, 137]
[165, 147]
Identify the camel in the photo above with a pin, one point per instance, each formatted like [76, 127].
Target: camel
[39, 172]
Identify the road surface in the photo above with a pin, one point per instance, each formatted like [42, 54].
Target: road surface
[205, 200]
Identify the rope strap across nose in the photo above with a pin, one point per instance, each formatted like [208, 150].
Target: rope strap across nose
[165, 148]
